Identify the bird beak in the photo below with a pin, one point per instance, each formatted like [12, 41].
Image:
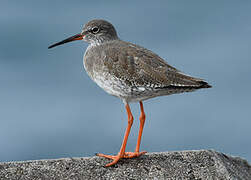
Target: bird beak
[72, 38]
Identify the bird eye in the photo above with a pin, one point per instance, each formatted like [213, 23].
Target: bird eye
[95, 30]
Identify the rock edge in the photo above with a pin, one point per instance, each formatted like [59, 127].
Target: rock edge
[199, 164]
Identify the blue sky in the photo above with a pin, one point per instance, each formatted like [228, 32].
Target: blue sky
[49, 107]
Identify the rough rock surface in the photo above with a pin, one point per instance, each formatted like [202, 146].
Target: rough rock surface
[201, 164]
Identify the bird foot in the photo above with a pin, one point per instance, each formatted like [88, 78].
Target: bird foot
[133, 154]
[119, 156]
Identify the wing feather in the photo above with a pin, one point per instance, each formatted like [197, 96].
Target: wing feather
[140, 67]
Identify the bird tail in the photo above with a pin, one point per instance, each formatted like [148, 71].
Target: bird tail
[186, 81]
[204, 84]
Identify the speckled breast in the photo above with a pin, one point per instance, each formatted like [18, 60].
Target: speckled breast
[94, 64]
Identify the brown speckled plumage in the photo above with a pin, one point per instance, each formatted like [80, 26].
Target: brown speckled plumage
[129, 72]
[134, 73]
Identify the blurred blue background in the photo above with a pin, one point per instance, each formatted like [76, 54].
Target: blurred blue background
[49, 107]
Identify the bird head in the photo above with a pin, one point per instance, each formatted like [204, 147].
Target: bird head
[94, 32]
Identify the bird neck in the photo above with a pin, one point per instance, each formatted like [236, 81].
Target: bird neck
[102, 40]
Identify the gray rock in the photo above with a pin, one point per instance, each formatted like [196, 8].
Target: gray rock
[201, 164]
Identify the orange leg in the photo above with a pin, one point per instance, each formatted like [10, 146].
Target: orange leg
[123, 146]
[142, 122]
[122, 153]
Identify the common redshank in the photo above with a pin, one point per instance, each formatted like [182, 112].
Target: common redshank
[130, 72]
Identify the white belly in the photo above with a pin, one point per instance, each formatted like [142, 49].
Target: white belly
[110, 84]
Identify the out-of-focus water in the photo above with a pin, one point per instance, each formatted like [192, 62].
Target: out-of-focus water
[49, 108]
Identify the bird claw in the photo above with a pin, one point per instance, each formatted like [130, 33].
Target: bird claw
[107, 156]
[119, 156]
[133, 154]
